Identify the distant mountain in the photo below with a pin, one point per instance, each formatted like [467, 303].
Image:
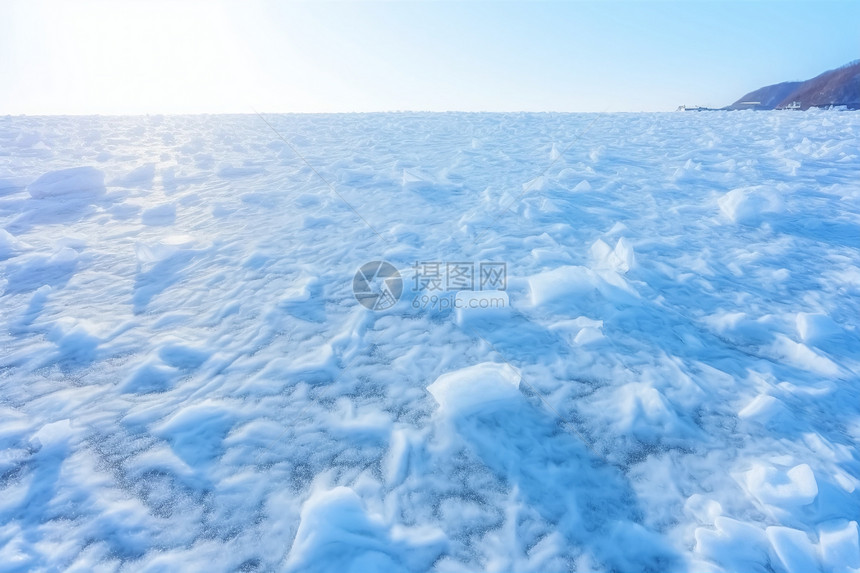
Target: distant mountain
[834, 87]
[767, 97]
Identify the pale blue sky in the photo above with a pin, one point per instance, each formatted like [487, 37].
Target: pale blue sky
[101, 56]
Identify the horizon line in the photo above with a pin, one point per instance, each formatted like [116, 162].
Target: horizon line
[376, 112]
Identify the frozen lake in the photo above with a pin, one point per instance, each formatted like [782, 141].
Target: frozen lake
[659, 372]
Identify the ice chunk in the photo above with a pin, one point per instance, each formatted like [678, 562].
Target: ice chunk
[336, 533]
[53, 435]
[815, 326]
[582, 187]
[560, 282]
[794, 549]
[840, 548]
[705, 510]
[539, 183]
[413, 180]
[564, 285]
[762, 408]
[746, 205]
[588, 335]
[302, 290]
[796, 487]
[77, 181]
[469, 389]
[642, 410]
[196, 432]
[620, 259]
[568, 177]
[802, 356]
[689, 171]
[600, 252]
[580, 331]
[617, 228]
[735, 545]
[624, 255]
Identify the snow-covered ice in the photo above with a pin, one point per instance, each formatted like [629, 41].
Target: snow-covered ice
[668, 383]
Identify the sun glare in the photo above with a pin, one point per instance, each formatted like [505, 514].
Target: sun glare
[135, 57]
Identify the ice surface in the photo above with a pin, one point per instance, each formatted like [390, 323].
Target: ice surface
[187, 382]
